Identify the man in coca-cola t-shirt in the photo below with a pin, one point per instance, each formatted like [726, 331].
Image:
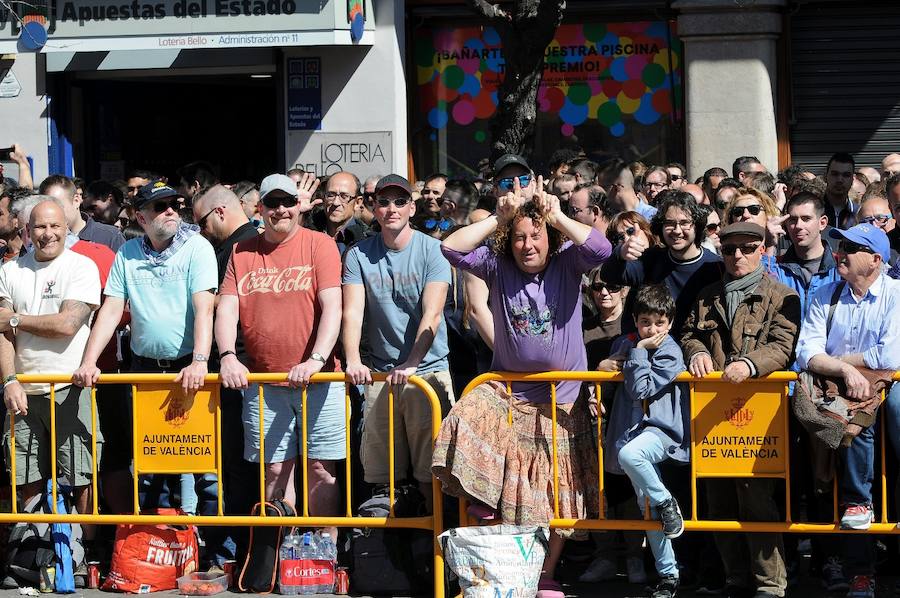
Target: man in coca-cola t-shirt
[284, 287]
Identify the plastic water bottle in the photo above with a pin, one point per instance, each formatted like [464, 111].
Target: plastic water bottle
[327, 547]
[288, 554]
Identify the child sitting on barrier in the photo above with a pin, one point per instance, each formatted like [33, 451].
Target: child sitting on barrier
[637, 441]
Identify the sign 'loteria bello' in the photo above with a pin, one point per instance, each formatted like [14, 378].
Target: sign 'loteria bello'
[273, 280]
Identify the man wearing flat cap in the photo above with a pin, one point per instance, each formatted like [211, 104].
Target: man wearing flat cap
[852, 327]
[745, 326]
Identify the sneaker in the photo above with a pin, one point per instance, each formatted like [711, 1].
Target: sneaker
[670, 516]
[857, 517]
[862, 586]
[602, 569]
[833, 577]
[665, 587]
[636, 572]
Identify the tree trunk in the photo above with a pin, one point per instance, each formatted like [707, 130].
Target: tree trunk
[524, 36]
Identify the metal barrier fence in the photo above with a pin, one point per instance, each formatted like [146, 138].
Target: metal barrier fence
[156, 398]
[716, 407]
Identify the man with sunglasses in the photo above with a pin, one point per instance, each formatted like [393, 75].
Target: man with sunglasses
[398, 281]
[509, 167]
[745, 326]
[876, 211]
[283, 289]
[850, 325]
[588, 205]
[677, 174]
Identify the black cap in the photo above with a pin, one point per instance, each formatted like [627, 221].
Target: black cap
[743, 228]
[393, 180]
[509, 159]
[153, 191]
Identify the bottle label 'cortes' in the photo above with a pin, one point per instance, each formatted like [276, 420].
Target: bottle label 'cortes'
[307, 572]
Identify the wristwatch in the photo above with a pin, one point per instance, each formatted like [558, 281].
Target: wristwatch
[14, 322]
[317, 357]
[200, 357]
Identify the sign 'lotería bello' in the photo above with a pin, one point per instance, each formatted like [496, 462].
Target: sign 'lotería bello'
[74, 11]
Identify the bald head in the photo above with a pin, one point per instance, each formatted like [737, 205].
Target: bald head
[218, 213]
[870, 173]
[876, 210]
[696, 192]
[890, 165]
[51, 209]
[218, 195]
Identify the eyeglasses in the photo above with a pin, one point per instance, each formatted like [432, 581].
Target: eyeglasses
[671, 224]
[612, 288]
[849, 248]
[162, 205]
[876, 218]
[202, 221]
[273, 201]
[384, 202]
[331, 195]
[620, 237]
[655, 185]
[508, 183]
[713, 227]
[737, 212]
[675, 177]
[575, 211]
[124, 222]
[433, 223]
[745, 249]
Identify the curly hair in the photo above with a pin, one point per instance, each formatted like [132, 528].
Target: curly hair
[503, 239]
[685, 202]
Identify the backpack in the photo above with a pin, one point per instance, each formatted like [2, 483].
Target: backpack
[31, 546]
[260, 569]
[392, 561]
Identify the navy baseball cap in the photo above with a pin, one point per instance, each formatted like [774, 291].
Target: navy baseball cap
[867, 235]
[509, 159]
[154, 191]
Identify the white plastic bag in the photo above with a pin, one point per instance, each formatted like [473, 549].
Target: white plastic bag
[496, 560]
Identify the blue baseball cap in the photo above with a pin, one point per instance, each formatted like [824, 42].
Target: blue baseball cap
[867, 235]
[153, 191]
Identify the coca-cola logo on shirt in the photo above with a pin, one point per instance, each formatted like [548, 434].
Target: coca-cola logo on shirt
[273, 280]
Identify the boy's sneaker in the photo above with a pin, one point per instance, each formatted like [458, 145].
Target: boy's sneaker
[670, 516]
[602, 569]
[862, 586]
[833, 577]
[665, 587]
[636, 572]
[857, 517]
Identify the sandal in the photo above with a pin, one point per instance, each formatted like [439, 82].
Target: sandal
[550, 588]
[481, 512]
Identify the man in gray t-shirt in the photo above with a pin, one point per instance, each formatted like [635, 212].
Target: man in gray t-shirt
[398, 279]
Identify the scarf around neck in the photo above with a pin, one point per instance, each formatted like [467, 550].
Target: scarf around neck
[736, 289]
[185, 231]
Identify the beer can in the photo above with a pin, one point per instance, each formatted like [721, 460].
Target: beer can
[228, 568]
[48, 579]
[341, 581]
[93, 575]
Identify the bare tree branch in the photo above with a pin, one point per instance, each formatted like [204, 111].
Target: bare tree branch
[488, 10]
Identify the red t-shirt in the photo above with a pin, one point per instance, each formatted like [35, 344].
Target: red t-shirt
[277, 288]
[103, 257]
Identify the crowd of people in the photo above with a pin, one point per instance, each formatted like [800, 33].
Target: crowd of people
[616, 266]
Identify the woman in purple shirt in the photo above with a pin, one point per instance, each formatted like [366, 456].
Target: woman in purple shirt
[534, 278]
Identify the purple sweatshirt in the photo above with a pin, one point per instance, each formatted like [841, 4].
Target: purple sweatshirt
[537, 317]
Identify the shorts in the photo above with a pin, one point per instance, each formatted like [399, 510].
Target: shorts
[326, 426]
[412, 429]
[74, 466]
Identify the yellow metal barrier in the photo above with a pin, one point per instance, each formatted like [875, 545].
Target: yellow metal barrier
[164, 392]
[730, 404]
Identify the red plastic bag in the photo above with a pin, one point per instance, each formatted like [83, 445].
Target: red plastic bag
[150, 558]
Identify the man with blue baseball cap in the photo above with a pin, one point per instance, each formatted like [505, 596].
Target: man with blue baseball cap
[850, 326]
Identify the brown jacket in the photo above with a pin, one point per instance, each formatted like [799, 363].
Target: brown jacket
[765, 328]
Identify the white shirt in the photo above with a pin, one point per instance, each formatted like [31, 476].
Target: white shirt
[39, 288]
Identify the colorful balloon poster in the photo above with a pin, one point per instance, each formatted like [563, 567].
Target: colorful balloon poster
[620, 75]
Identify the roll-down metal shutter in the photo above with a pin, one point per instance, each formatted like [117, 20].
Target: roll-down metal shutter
[845, 81]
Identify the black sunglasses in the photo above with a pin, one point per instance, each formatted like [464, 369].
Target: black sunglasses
[273, 201]
[384, 202]
[746, 249]
[612, 288]
[202, 221]
[162, 205]
[754, 210]
[849, 247]
[713, 226]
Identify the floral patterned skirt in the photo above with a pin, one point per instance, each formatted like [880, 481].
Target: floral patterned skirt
[479, 455]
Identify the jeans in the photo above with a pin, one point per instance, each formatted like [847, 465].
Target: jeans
[639, 458]
[856, 469]
[891, 409]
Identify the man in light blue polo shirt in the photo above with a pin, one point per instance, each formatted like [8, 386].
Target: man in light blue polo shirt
[862, 332]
